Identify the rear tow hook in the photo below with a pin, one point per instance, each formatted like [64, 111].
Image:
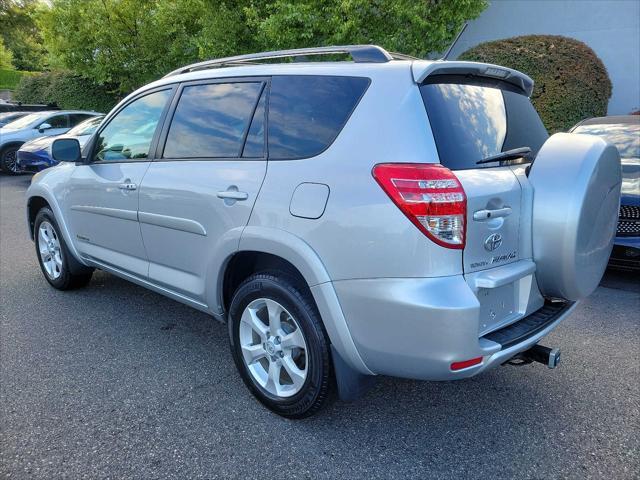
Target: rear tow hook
[538, 353]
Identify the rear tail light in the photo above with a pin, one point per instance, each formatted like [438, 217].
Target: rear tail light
[430, 196]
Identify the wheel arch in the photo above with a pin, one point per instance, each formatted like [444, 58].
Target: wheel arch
[39, 196]
[11, 143]
[34, 205]
[270, 248]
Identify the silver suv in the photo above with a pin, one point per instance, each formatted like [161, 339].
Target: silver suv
[380, 216]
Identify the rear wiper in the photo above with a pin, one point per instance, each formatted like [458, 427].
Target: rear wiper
[508, 155]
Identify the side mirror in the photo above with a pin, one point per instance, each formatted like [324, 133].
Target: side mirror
[43, 127]
[66, 150]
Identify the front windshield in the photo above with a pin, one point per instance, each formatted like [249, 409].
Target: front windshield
[25, 121]
[624, 136]
[85, 128]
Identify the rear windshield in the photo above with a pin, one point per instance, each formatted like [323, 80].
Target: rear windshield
[474, 119]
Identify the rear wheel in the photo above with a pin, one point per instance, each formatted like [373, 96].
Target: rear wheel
[54, 256]
[279, 345]
[9, 159]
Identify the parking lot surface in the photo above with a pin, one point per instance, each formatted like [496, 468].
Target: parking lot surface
[114, 381]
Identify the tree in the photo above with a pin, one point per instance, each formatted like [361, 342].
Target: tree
[130, 42]
[571, 82]
[6, 58]
[20, 33]
[414, 27]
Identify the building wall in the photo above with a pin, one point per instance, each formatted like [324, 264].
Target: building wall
[610, 27]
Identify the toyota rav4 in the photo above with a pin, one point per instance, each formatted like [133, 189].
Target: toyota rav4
[383, 215]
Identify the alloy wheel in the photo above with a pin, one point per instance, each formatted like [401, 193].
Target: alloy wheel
[273, 347]
[49, 248]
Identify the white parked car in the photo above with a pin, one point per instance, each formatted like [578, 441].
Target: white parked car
[34, 125]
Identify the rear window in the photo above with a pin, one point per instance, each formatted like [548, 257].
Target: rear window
[473, 119]
[306, 113]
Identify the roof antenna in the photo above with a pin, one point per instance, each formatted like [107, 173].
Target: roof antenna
[455, 40]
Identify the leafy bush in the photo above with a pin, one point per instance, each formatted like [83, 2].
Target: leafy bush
[9, 79]
[66, 90]
[571, 82]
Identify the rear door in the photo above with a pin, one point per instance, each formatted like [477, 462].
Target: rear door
[201, 189]
[472, 119]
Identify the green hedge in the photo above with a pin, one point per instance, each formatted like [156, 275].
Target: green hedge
[9, 79]
[66, 90]
[571, 82]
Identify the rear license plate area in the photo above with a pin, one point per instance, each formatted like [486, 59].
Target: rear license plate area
[497, 307]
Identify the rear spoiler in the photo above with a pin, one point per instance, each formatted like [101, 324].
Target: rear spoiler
[422, 69]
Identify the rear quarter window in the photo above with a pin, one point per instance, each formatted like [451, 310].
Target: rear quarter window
[306, 113]
[472, 119]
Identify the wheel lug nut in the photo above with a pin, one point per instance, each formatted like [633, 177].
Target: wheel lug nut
[281, 354]
[277, 340]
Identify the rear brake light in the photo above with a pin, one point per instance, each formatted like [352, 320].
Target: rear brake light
[430, 196]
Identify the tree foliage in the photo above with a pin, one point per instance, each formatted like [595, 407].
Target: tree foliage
[571, 82]
[6, 57]
[130, 42]
[20, 33]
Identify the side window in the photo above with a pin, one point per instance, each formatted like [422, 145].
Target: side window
[76, 118]
[58, 121]
[129, 134]
[306, 113]
[211, 120]
[254, 145]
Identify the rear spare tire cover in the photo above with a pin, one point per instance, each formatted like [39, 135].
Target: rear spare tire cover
[576, 181]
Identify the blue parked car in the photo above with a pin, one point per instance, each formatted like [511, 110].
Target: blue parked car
[35, 155]
[623, 131]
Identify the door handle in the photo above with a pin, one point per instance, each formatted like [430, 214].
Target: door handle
[128, 186]
[481, 215]
[232, 195]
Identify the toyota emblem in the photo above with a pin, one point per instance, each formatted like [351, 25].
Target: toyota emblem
[492, 242]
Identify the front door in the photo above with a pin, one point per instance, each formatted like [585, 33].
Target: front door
[102, 202]
[204, 184]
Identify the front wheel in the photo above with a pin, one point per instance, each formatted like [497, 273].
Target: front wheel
[9, 160]
[279, 344]
[54, 256]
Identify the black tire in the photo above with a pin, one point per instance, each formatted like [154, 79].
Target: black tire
[9, 159]
[297, 301]
[67, 280]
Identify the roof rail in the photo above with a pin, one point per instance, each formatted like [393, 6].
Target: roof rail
[359, 53]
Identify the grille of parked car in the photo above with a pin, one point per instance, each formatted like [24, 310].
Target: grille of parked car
[630, 212]
[629, 221]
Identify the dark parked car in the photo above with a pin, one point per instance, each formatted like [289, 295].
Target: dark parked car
[8, 117]
[624, 132]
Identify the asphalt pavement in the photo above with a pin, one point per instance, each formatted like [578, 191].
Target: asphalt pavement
[114, 381]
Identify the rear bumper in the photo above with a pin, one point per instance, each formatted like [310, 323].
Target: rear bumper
[416, 328]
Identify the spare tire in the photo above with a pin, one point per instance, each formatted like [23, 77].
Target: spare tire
[576, 181]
